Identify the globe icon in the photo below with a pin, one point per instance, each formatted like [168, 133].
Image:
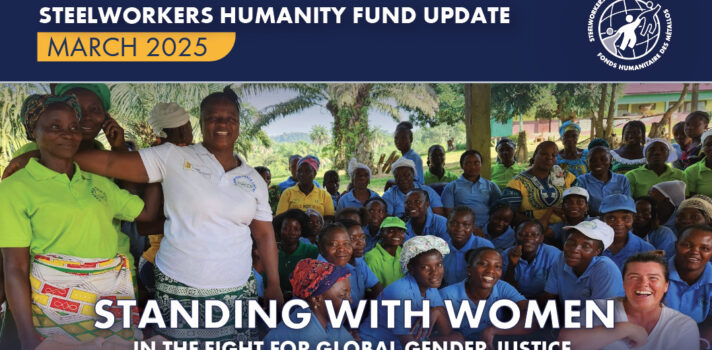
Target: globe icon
[629, 29]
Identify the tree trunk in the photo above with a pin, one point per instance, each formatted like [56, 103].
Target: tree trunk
[477, 121]
[695, 97]
[611, 114]
[601, 111]
[352, 136]
[657, 130]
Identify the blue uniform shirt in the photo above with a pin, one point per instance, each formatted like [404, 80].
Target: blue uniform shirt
[531, 277]
[348, 200]
[415, 157]
[435, 225]
[634, 246]
[405, 288]
[454, 263]
[361, 278]
[260, 283]
[313, 333]
[695, 300]
[290, 182]
[396, 199]
[662, 238]
[478, 196]
[371, 238]
[597, 190]
[601, 280]
[506, 240]
[457, 294]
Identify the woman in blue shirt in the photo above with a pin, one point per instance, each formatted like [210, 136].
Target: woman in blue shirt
[403, 138]
[377, 209]
[571, 158]
[360, 175]
[646, 225]
[618, 213]
[499, 230]
[460, 240]
[600, 181]
[404, 171]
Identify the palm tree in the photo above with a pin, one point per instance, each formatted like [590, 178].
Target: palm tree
[319, 135]
[12, 133]
[349, 105]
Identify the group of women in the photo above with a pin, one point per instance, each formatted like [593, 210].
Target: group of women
[568, 226]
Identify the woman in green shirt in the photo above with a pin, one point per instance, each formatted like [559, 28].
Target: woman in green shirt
[506, 167]
[290, 226]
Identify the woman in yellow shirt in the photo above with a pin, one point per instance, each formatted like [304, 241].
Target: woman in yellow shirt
[304, 194]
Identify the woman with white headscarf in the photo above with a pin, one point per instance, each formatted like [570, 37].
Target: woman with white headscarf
[658, 152]
[404, 171]
[360, 175]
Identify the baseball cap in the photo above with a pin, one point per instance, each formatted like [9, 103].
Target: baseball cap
[595, 229]
[576, 191]
[616, 202]
[393, 221]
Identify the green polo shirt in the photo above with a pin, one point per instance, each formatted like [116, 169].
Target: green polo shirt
[287, 263]
[699, 178]
[386, 266]
[448, 176]
[642, 179]
[501, 175]
[48, 212]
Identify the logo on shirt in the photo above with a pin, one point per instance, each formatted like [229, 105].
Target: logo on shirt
[98, 194]
[245, 183]
[187, 165]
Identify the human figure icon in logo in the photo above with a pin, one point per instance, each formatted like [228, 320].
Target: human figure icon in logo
[626, 36]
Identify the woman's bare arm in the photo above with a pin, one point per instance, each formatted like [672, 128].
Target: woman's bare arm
[121, 165]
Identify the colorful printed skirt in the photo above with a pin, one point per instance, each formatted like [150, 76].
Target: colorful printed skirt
[168, 289]
[65, 290]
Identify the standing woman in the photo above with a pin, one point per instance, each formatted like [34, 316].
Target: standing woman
[305, 194]
[572, 158]
[537, 192]
[699, 175]
[45, 210]
[403, 138]
[630, 155]
[215, 205]
[360, 175]
[506, 167]
[695, 125]
[658, 152]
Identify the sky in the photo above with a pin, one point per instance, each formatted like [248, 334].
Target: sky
[304, 121]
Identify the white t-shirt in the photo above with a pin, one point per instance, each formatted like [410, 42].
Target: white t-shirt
[207, 242]
[674, 330]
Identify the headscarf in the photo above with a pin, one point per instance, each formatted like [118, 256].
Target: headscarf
[353, 165]
[504, 141]
[672, 154]
[311, 160]
[673, 190]
[100, 90]
[421, 244]
[704, 136]
[167, 116]
[402, 162]
[699, 202]
[35, 105]
[598, 142]
[568, 125]
[313, 212]
[312, 277]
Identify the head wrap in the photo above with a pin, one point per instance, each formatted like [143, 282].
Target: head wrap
[504, 141]
[311, 160]
[35, 105]
[704, 136]
[568, 125]
[673, 190]
[598, 142]
[699, 202]
[312, 278]
[167, 116]
[313, 212]
[595, 229]
[353, 165]
[402, 162]
[672, 154]
[100, 90]
[421, 244]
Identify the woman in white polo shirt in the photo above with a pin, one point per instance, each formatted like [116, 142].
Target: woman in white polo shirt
[215, 204]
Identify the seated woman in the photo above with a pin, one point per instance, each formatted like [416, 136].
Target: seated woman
[436, 172]
[471, 189]
[384, 258]
[646, 225]
[658, 152]
[484, 269]
[527, 265]
[499, 229]
[351, 213]
[315, 282]
[571, 158]
[315, 222]
[45, 209]
[460, 240]
[360, 175]
[376, 209]
[645, 281]
[699, 175]
[331, 185]
[581, 273]
[403, 171]
[630, 155]
[289, 227]
[336, 247]
[506, 167]
[668, 195]
[575, 208]
[534, 191]
[696, 210]
[618, 213]
[305, 195]
[421, 220]
[421, 262]
[600, 181]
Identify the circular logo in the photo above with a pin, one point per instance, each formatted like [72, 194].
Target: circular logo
[633, 34]
[245, 183]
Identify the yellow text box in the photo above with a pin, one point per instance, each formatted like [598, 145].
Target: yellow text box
[133, 47]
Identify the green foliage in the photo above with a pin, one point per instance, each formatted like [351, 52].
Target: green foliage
[319, 135]
[12, 132]
[508, 100]
[451, 107]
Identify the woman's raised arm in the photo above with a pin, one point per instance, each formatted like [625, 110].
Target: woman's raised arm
[121, 165]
